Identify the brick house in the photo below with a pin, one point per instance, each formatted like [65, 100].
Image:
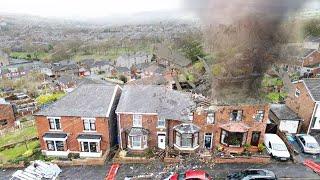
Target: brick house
[7, 117]
[305, 100]
[82, 122]
[311, 62]
[154, 116]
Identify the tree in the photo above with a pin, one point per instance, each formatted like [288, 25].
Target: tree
[312, 28]
[193, 49]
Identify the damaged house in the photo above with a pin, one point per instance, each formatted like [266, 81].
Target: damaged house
[81, 122]
[305, 101]
[154, 116]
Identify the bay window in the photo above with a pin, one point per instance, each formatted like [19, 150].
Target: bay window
[232, 139]
[186, 136]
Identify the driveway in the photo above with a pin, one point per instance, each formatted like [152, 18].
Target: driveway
[302, 156]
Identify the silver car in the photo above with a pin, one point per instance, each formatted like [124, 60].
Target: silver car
[308, 144]
[251, 174]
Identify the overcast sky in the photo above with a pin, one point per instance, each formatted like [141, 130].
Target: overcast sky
[86, 8]
[98, 8]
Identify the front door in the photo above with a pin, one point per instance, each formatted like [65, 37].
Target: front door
[208, 140]
[161, 141]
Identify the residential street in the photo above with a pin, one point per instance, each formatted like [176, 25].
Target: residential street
[283, 170]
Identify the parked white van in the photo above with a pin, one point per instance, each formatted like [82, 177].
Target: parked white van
[276, 147]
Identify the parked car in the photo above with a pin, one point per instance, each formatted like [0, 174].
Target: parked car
[191, 174]
[308, 143]
[251, 174]
[276, 147]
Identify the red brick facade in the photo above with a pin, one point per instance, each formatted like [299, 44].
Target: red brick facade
[221, 116]
[303, 104]
[73, 126]
[7, 117]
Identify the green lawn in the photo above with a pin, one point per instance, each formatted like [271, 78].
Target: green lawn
[17, 151]
[18, 136]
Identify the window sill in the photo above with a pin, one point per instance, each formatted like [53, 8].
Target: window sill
[161, 127]
[186, 148]
[56, 130]
[56, 153]
[137, 149]
[90, 154]
[88, 131]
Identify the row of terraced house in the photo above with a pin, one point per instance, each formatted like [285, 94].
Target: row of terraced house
[96, 117]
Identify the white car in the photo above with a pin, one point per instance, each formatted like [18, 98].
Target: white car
[308, 143]
[276, 147]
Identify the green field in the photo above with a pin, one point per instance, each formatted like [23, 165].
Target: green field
[18, 136]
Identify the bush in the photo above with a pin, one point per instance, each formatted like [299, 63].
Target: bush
[149, 153]
[28, 153]
[261, 147]
[73, 156]
[246, 146]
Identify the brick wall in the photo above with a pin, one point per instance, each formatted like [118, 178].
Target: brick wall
[6, 113]
[74, 126]
[149, 122]
[303, 105]
[222, 116]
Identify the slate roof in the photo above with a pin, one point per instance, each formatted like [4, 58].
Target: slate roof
[89, 136]
[187, 128]
[55, 135]
[88, 100]
[307, 52]
[167, 103]
[137, 131]
[283, 112]
[313, 85]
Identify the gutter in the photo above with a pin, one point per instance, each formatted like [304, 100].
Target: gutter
[314, 111]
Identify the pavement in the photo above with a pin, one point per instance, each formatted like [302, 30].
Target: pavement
[157, 170]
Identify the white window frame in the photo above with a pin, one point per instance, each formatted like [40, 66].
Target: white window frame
[136, 120]
[210, 118]
[90, 122]
[54, 122]
[82, 141]
[297, 93]
[161, 120]
[55, 144]
[139, 141]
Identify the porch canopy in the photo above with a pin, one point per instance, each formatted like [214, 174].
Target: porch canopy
[235, 127]
[55, 135]
[89, 137]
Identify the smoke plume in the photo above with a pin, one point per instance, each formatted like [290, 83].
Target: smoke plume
[245, 36]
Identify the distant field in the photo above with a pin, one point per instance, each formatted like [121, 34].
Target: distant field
[112, 53]
[30, 56]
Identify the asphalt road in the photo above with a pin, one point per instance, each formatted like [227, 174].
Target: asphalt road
[283, 170]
